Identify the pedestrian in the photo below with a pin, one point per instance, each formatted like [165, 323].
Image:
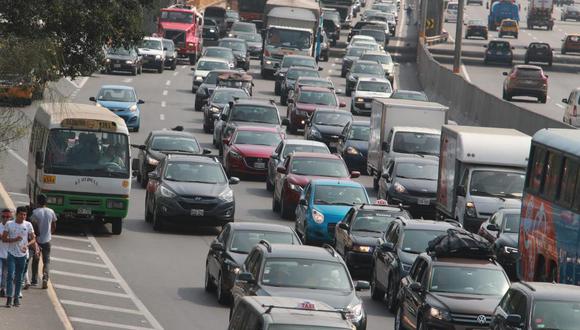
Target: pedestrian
[19, 237]
[6, 216]
[45, 220]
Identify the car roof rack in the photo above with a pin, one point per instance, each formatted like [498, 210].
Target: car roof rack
[269, 308]
[330, 249]
[266, 244]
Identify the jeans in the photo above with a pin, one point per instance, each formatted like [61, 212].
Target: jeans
[45, 253]
[15, 274]
[3, 272]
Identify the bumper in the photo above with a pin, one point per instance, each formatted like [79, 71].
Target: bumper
[540, 59]
[418, 206]
[98, 209]
[362, 108]
[526, 92]
[120, 67]
[214, 214]
[321, 233]
[332, 143]
[499, 58]
[435, 324]
[196, 84]
[210, 119]
[170, 61]
[270, 64]
[359, 260]
[476, 33]
[131, 119]
[509, 33]
[152, 64]
[355, 162]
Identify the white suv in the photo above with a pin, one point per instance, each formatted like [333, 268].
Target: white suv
[153, 53]
[571, 113]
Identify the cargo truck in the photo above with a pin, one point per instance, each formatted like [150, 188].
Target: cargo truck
[184, 25]
[291, 27]
[481, 169]
[344, 7]
[540, 14]
[403, 128]
[500, 10]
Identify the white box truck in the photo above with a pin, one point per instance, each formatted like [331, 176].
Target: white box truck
[481, 169]
[403, 128]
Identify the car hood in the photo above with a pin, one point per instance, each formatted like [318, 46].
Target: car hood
[372, 94]
[335, 299]
[487, 205]
[366, 238]
[148, 51]
[116, 105]
[424, 186]
[251, 150]
[508, 239]
[361, 146]
[329, 130]
[201, 73]
[249, 123]
[120, 57]
[458, 303]
[176, 26]
[196, 188]
[332, 213]
[312, 107]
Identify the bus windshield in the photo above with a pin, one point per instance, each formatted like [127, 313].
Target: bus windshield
[87, 153]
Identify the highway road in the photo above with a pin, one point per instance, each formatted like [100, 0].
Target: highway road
[563, 75]
[143, 279]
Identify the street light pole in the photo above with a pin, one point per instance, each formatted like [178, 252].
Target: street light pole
[458, 34]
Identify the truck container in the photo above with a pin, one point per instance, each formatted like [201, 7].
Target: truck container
[344, 8]
[481, 169]
[540, 14]
[403, 128]
[500, 10]
[184, 25]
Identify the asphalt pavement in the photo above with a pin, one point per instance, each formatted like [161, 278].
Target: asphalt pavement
[148, 280]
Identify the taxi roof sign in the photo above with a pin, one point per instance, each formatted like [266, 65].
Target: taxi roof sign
[307, 305]
[92, 124]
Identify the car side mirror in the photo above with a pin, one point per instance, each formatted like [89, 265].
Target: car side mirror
[361, 285]
[285, 122]
[192, 69]
[386, 147]
[492, 227]
[565, 101]
[206, 151]
[281, 169]
[39, 160]
[153, 176]
[92, 99]
[416, 287]
[217, 246]
[343, 225]
[342, 104]
[461, 191]
[386, 176]
[354, 174]
[388, 247]
[140, 102]
[513, 320]
[504, 73]
[234, 180]
[302, 202]
[139, 146]
[246, 277]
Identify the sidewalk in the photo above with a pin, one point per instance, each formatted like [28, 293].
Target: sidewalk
[38, 310]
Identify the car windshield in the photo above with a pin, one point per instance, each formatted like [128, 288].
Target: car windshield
[573, 39]
[233, 44]
[220, 53]
[176, 16]
[241, 27]
[304, 148]
[508, 23]
[339, 195]
[468, 280]
[188, 171]
[554, 314]
[244, 240]
[410, 96]
[258, 138]
[319, 167]
[316, 83]
[298, 61]
[417, 171]
[87, 154]
[359, 133]
[151, 44]
[209, 23]
[379, 36]
[255, 114]
[332, 118]
[289, 38]
[382, 59]
[374, 86]
[497, 184]
[511, 223]
[416, 240]
[225, 96]
[116, 95]
[529, 73]
[307, 274]
[372, 222]
[499, 46]
[294, 74]
[416, 143]
[368, 68]
[251, 37]
[355, 51]
[120, 51]
[322, 98]
[452, 6]
[211, 65]
[175, 143]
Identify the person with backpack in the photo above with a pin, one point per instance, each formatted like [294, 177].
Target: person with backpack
[45, 220]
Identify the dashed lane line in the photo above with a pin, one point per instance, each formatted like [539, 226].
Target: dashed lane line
[560, 106]
[85, 290]
[76, 262]
[62, 248]
[71, 238]
[165, 92]
[163, 104]
[107, 324]
[175, 73]
[168, 82]
[101, 307]
[161, 116]
[127, 80]
[88, 277]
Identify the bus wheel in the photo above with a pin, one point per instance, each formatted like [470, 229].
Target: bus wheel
[117, 226]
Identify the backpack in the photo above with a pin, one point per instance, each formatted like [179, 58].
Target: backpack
[460, 243]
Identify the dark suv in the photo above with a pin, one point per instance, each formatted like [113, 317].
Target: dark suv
[539, 52]
[398, 247]
[531, 306]
[450, 293]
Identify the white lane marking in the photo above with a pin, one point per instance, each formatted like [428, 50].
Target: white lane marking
[161, 116]
[465, 74]
[333, 64]
[106, 324]
[101, 307]
[168, 82]
[85, 290]
[329, 71]
[81, 82]
[17, 156]
[534, 38]
[154, 323]
[559, 30]
[62, 248]
[88, 277]
[165, 92]
[560, 105]
[77, 262]
[163, 104]
[127, 80]
[71, 238]
[175, 73]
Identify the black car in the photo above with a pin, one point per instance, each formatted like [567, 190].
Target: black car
[499, 52]
[157, 145]
[331, 25]
[240, 49]
[242, 27]
[209, 84]
[229, 250]
[358, 234]
[123, 59]
[398, 247]
[189, 189]
[300, 271]
[232, 17]
[502, 230]
[290, 78]
[409, 95]
[211, 32]
[412, 182]
[355, 145]
[536, 305]
[476, 28]
[539, 52]
[220, 97]
[255, 43]
[289, 61]
[327, 126]
[570, 12]
[352, 54]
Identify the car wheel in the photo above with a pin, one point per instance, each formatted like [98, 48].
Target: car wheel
[391, 297]
[399, 319]
[144, 179]
[284, 99]
[116, 226]
[157, 220]
[376, 293]
[160, 69]
[197, 105]
[286, 212]
[348, 92]
[542, 99]
[192, 59]
[209, 284]
[174, 66]
[550, 63]
[508, 96]
[222, 296]
[275, 204]
[516, 36]
[206, 128]
[292, 128]
[376, 183]
[343, 73]
[563, 51]
[136, 129]
[526, 60]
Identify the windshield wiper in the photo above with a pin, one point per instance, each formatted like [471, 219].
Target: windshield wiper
[321, 202]
[341, 203]
[368, 230]
[485, 193]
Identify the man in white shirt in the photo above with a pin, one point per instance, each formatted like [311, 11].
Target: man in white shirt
[5, 217]
[19, 237]
[45, 220]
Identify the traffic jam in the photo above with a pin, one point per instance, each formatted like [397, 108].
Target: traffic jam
[465, 227]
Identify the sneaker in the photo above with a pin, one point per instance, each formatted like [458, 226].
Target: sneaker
[45, 284]
[8, 302]
[16, 302]
[34, 283]
[20, 295]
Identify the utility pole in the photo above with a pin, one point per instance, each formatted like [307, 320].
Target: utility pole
[458, 37]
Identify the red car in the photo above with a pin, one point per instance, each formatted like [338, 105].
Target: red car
[249, 149]
[305, 101]
[298, 169]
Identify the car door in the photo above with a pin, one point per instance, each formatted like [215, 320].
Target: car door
[414, 299]
[142, 156]
[280, 177]
[216, 258]
[342, 236]
[460, 200]
[302, 210]
[256, 269]
[392, 262]
[382, 258]
[274, 160]
[241, 289]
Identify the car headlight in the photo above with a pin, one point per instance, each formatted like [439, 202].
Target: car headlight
[133, 108]
[361, 248]
[214, 109]
[234, 154]
[510, 250]
[230, 35]
[129, 62]
[470, 209]
[211, 30]
[315, 133]
[227, 196]
[317, 217]
[165, 192]
[399, 188]
[198, 78]
[360, 99]
[157, 57]
[440, 314]
[295, 187]
[268, 62]
[354, 312]
[351, 151]
[108, 60]
[152, 161]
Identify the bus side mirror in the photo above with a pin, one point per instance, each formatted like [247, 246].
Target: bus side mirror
[39, 160]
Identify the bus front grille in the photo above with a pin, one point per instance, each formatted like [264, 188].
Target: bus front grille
[84, 202]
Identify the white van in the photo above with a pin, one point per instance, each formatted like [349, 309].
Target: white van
[451, 11]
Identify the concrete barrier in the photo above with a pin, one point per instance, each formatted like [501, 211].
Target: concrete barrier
[470, 105]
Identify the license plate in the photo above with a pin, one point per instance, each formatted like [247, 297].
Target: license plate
[423, 201]
[84, 211]
[196, 212]
[260, 165]
[367, 105]
[116, 65]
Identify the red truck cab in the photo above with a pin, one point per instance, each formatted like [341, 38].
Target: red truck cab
[184, 25]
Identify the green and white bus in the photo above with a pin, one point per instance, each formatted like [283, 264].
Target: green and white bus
[79, 158]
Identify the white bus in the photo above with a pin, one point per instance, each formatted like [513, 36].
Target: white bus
[79, 158]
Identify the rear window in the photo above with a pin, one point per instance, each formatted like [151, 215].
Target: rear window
[529, 73]
[573, 39]
[508, 23]
[539, 46]
[499, 46]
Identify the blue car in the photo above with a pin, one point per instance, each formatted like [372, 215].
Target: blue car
[123, 101]
[354, 147]
[323, 203]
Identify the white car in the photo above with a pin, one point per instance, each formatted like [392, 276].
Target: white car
[571, 113]
[204, 66]
[370, 45]
[368, 89]
[451, 12]
[358, 37]
[152, 53]
[386, 61]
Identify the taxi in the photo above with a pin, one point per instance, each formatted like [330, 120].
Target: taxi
[509, 27]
